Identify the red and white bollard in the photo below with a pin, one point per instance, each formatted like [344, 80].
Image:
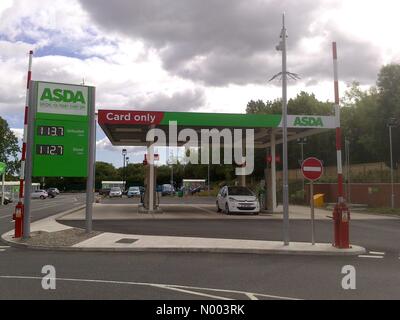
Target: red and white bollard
[20, 206]
[341, 214]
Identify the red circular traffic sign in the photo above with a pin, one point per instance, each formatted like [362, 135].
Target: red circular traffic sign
[312, 168]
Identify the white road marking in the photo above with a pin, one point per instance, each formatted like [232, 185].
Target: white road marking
[2, 250]
[368, 256]
[251, 296]
[157, 285]
[4, 247]
[192, 292]
[377, 252]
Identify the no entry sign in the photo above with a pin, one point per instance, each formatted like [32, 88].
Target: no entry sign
[312, 168]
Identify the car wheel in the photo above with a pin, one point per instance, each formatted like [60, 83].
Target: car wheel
[218, 208]
[42, 197]
[227, 209]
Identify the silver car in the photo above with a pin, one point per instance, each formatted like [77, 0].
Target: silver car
[115, 192]
[39, 194]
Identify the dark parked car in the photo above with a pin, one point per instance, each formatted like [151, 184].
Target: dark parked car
[104, 192]
[195, 190]
[51, 192]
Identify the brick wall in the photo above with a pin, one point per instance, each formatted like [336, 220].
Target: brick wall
[372, 194]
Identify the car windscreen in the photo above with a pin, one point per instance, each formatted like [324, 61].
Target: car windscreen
[115, 189]
[134, 189]
[239, 191]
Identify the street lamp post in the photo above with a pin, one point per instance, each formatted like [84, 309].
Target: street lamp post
[391, 123]
[124, 152]
[285, 186]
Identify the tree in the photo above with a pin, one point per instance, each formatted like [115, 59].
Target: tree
[388, 85]
[323, 145]
[8, 148]
[104, 172]
[261, 107]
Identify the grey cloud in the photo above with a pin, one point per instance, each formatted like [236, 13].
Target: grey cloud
[187, 100]
[234, 40]
[357, 61]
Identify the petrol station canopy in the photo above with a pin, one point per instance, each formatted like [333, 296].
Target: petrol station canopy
[129, 127]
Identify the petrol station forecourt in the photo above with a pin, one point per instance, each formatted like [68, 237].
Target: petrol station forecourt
[130, 128]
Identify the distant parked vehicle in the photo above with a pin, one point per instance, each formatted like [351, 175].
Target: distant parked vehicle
[167, 190]
[115, 192]
[133, 191]
[104, 192]
[53, 190]
[237, 199]
[196, 190]
[7, 199]
[39, 194]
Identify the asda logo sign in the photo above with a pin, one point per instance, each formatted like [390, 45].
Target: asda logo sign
[307, 121]
[60, 98]
[60, 95]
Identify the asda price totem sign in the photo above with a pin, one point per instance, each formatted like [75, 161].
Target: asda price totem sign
[61, 129]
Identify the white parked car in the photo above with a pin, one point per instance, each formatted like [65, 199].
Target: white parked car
[237, 199]
[39, 194]
[115, 192]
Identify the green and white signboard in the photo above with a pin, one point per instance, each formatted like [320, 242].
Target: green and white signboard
[61, 129]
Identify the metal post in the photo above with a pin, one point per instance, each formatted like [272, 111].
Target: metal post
[151, 182]
[347, 150]
[273, 172]
[28, 162]
[208, 178]
[391, 167]
[312, 213]
[302, 159]
[302, 141]
[2, 187]
[338, 131]
[123, 174]
[91, 161]
[285, 199]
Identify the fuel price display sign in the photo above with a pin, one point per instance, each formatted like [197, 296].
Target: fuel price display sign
[61, 129]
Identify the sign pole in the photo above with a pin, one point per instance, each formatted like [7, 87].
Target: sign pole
[91, 162]
[312, 213]
[312, 169]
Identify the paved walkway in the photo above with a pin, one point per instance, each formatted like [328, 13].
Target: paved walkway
[106, 211]
[124, 242]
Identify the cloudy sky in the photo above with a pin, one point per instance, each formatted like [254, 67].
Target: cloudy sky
[189, 55]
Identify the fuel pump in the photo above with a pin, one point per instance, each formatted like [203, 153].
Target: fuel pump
[18, 217]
